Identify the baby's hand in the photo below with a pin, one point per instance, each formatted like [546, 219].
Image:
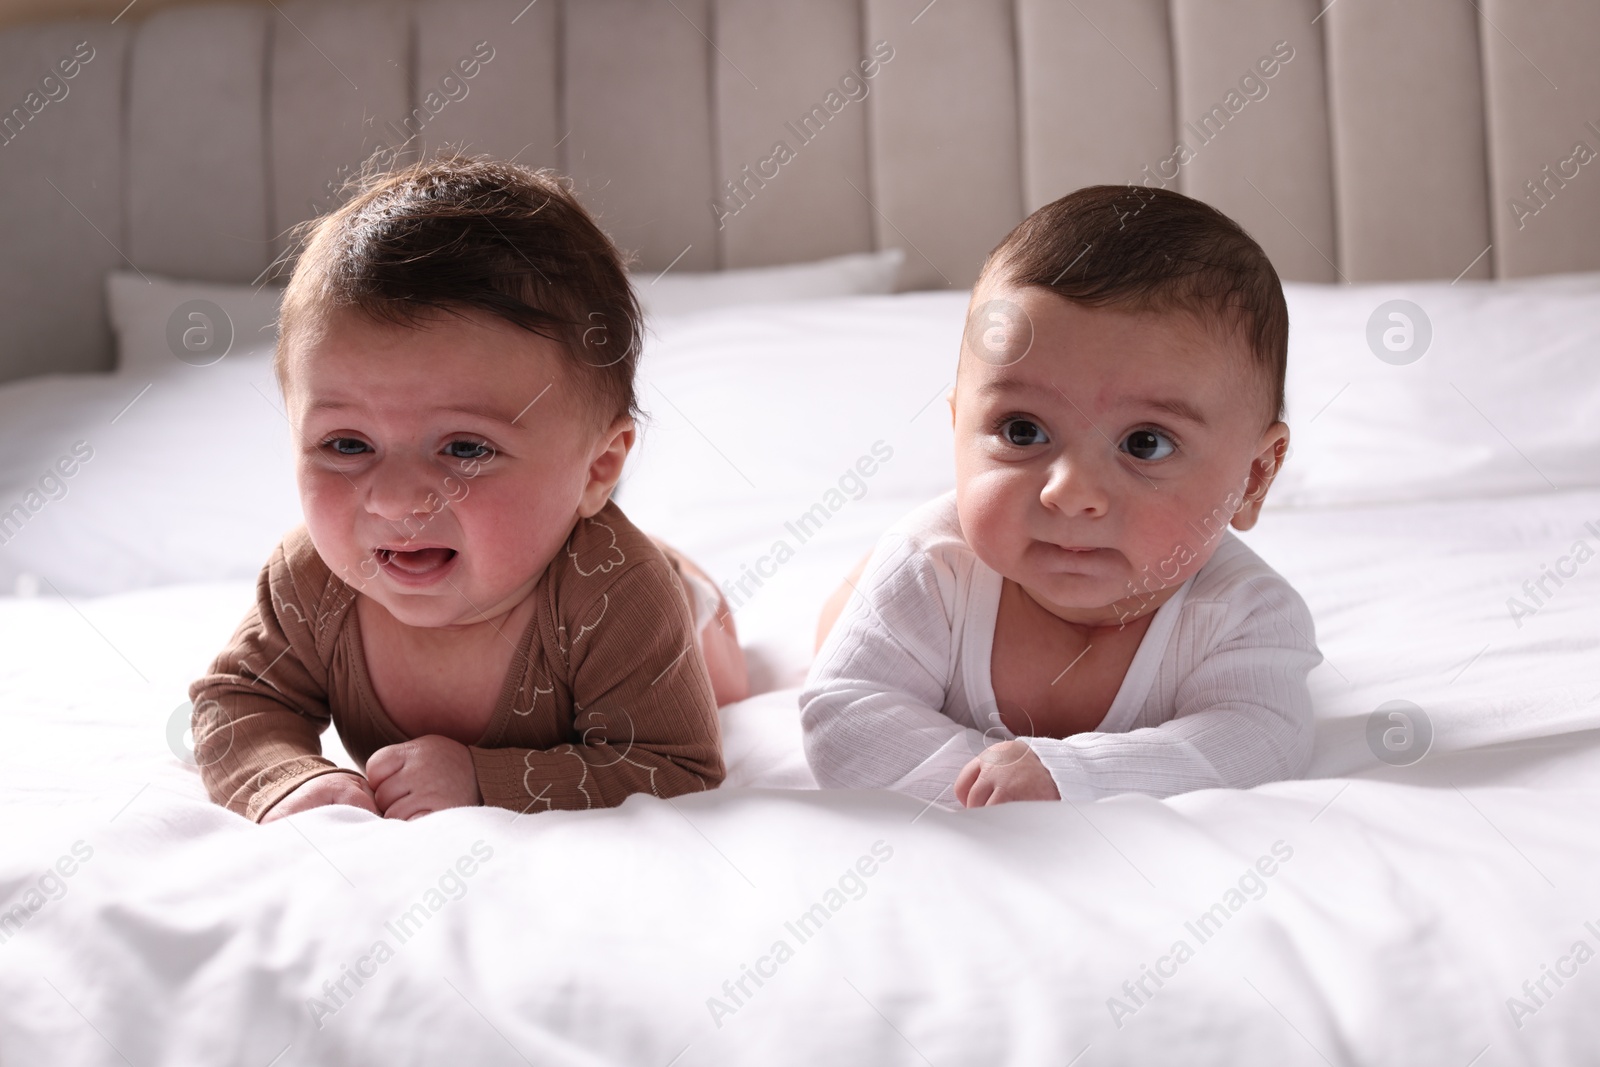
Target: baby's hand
[345, 787]
[425, 774]
[1007, 771]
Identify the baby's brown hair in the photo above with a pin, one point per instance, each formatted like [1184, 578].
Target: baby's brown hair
[1156, 250]
[453, 233]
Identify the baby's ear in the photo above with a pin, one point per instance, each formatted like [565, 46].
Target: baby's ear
[1263, 469]
[605, 469]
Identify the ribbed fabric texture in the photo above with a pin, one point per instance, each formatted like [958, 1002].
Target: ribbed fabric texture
[607, 696]
[900, 694]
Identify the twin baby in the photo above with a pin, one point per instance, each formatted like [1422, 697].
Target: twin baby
[483, 625]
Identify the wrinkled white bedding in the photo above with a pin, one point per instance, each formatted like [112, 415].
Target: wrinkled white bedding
[1405, 909]
[1359, 923]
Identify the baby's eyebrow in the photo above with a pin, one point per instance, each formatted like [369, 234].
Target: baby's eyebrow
[492, 414]
[1175, 406]
[1005, 385]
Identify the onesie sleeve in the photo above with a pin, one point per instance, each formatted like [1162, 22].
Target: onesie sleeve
[259, 710]
[872, 706]
[1242, 714]
[643, 709]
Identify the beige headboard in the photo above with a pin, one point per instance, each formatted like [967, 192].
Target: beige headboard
[1392, 139]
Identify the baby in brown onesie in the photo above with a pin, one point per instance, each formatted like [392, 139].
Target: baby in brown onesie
[464, 602]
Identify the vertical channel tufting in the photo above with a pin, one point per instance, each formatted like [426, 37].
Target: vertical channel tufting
[486, 83]
[61, 194]
[1097, 89]
[197, 198]
[197, 135]
[1410, 165]
[791, 175]
[947, 184]
[1542, 84]
[638, 134]
[340, 91]
[1252, 119]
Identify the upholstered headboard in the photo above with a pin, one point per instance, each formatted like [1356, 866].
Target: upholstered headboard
[1357, 139]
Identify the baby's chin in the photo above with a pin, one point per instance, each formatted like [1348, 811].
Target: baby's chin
[442, 613]
[1073, 592]
[428, 611]
[1091, 604]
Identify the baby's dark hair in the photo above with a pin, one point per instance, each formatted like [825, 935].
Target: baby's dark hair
[1157, 250]
[453, 234]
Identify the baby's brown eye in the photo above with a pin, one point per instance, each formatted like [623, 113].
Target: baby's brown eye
[1148, 445]
[1022, 432]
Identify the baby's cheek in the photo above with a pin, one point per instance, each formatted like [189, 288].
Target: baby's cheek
[1175, 565]
[322, 492]
[1174, 548]
[328, 515]
[511, 531]
[991, 505]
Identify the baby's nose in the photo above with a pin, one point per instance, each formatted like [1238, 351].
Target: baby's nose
[1074, 487]
[398, 490]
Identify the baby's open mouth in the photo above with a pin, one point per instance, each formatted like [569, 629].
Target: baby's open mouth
[416, 561]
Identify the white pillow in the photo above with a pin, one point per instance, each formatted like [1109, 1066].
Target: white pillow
[859, 274]
[1475, 389]
[164, 325]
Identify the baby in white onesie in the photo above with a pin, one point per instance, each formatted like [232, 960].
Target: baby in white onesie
[1075, 619]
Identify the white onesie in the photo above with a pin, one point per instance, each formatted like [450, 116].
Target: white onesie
[900, 695]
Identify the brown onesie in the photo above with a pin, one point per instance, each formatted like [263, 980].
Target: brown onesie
[608, 694]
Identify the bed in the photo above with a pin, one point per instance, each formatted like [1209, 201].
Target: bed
[1425, 895]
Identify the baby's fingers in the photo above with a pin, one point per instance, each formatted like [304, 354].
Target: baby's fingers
[982, 790]
[390, 792]
[341, 788]
[362, 798]
[407, 807]
[346, 789]
[969, 774]
[384, 762]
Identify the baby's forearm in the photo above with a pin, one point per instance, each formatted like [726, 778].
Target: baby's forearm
[857, 737]
[1211, 749]
[251, 751]
[579, 777]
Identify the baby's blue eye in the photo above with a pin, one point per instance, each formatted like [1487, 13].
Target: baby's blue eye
[1023, 432]
[338, 445]
[476, 449]
[1148, 445]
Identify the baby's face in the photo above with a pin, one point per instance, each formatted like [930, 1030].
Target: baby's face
[1101, 453]
[441, 468]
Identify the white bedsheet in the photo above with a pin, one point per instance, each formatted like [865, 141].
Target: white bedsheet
[1394, 925]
